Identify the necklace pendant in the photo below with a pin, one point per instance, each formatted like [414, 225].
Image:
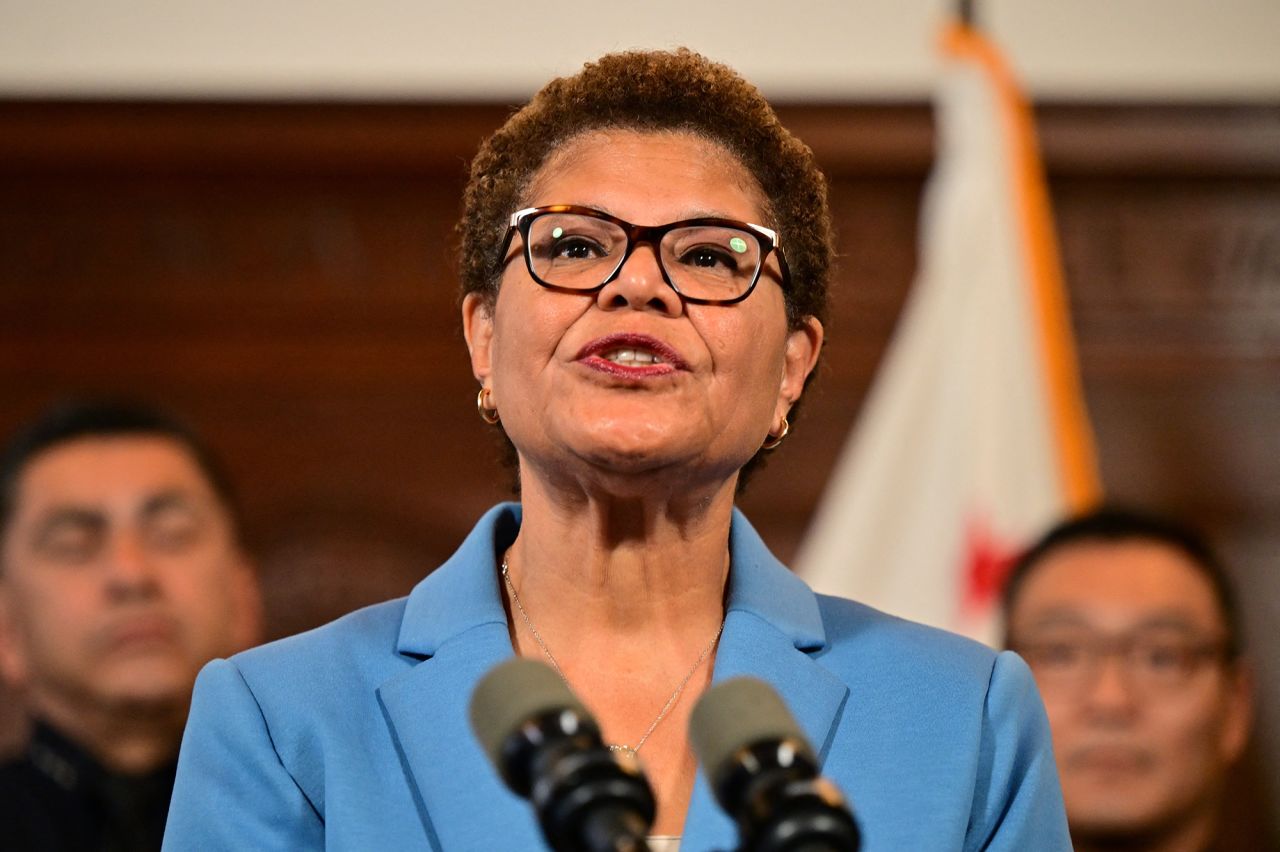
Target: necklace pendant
[625, 750]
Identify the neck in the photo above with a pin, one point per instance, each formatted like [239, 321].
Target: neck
[623, 564]
[628, 595]
[130, 739]
[1193, 832]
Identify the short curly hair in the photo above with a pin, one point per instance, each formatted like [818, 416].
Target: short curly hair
[653, 91]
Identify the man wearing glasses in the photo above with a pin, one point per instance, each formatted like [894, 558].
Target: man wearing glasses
[1129, 625]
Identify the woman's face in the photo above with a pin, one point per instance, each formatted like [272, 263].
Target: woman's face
[570, 396]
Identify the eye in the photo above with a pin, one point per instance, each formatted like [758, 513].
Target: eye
[552, 255]
[575, 248]
[712, 252]
[1163, 657]
[709, 257]
[1055, 655]
[71, 544]
[173, 529]
[561, 239]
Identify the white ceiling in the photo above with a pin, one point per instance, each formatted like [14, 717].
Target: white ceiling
[503, 49]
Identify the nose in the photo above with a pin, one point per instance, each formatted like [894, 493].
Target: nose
[641, 285]
[1111, 693]
[131, 570]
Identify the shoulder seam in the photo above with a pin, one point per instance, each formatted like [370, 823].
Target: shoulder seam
[266, 727]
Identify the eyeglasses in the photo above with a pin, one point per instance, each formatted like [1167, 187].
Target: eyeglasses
[707, 261]
[1152, 662]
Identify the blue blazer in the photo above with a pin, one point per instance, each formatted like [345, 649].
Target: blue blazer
[355, 736]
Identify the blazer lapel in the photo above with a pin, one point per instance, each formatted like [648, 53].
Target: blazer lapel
[461, 799]
[454, 622]
[772, 626]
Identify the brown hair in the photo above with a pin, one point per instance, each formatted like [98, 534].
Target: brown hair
[653, 91]
[1119, 525]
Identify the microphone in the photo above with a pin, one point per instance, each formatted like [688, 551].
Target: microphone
[764, 773]
[548, 749]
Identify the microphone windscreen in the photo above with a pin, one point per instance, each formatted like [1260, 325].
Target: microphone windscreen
[511, 694]
[737, 713]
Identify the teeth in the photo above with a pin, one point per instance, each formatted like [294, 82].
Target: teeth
[633, 357]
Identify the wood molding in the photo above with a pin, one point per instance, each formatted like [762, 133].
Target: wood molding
[299, 137]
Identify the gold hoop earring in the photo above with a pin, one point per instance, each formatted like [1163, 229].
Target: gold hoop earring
[772, 441]
[488, 415]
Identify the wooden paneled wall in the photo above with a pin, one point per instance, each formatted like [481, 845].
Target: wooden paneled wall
[281, 275]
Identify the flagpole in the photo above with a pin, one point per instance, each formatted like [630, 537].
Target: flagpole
[973, 437]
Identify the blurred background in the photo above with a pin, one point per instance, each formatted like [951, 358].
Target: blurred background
[243, 211]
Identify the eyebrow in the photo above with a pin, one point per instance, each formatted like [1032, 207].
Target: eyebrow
[166, 500]
[711, 214]
[1161, 619]
[697, 213]
[96, 519]
[1169, 620]
[1059, 617]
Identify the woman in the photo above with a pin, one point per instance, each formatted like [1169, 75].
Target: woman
[639, 334]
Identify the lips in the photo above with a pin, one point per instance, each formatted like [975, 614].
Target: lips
[631, 355]
[1110, 759]
[140, 633]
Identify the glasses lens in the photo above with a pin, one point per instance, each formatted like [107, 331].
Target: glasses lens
[574, 251]
[711, 261]
[1151, 661]
[1060, 661]
[1168, 661]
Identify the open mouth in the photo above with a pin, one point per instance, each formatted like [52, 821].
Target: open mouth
[631, 354]
[632, 357]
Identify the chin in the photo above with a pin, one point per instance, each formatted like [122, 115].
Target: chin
[1114, 814]
[148, 683]
[625, 452]
[628, 437]
[629, 444]
[628, 475]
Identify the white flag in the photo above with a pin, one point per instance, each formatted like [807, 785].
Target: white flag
[974, 436]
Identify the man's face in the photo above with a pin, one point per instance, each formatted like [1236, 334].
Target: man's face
[1126, 640]
[120, 576]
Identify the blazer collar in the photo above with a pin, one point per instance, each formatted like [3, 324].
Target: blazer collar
[761, 585]
[773, 629]
[463, 592]
[772, 626]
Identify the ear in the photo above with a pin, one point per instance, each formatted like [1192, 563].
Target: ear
[799, 358]
[1238, 711]
[13, 661]
[477, 327]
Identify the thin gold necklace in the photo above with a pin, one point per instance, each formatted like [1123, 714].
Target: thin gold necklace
[666, 708]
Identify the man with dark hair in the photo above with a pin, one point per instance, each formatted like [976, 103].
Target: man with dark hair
[1130, 627]
[121, 574]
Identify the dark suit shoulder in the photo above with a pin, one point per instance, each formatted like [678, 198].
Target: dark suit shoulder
[38, 814]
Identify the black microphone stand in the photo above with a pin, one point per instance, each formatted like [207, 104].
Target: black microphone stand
[782, 804]
[588, 798]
